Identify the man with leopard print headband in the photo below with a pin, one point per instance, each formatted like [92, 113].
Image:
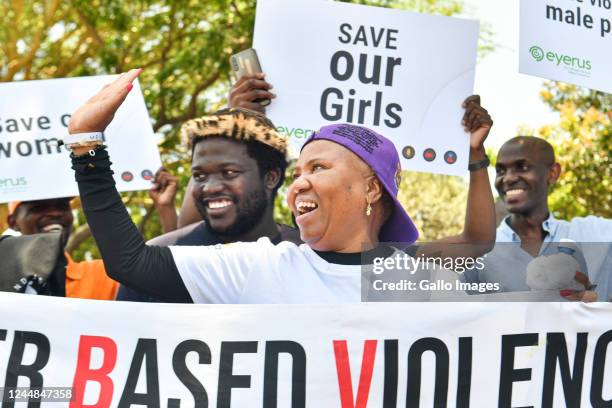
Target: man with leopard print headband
[238, 164]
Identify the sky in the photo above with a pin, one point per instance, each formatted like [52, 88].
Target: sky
[511, 98]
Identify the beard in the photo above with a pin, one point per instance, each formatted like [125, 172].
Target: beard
[249, 213]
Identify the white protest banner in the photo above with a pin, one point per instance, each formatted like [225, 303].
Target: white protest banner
[35, 114]
[402, 74]
[114, 354]
[568, 40]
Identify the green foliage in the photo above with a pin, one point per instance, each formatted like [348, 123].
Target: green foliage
[435, 203]
[583, 144]
[184, 46]
[282, 213]
[443, 7]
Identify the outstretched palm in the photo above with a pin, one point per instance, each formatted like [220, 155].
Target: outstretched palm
[96, 114]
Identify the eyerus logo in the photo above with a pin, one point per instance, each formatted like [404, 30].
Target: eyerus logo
[573, 64]
[537, 53]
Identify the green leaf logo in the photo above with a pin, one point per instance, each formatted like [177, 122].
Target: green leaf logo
[537, 53]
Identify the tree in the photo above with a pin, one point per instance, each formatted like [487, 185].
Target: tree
[435, 203]
[583, 144]
[184, 46]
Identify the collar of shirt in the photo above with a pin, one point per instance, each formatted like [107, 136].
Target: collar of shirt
[322, 265]
[505, 233]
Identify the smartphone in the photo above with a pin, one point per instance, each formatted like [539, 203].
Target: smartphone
[247, 62]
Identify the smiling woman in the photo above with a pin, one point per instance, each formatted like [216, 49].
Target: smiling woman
[345, 172]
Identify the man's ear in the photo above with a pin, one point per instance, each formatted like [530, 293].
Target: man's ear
[374, 190]
[272, 178]
[553, 174]
[12, 222]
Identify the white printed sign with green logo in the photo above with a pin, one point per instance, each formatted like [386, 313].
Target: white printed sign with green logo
[568, 40]
[34, 116]
[402, 74]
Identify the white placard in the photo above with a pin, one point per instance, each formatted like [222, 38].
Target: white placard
[568, 40]
[463, 354]
[34, 113]
[416, 70]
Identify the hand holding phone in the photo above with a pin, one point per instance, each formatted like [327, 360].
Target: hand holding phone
[250, 88]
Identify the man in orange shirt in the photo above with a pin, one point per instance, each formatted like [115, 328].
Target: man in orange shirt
[86, 280]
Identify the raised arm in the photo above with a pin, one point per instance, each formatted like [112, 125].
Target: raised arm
[478, 235]
[126, 257]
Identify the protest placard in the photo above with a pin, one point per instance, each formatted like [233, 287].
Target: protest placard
[568, 40]
[114, 354]
[400, 73]
[34, 115]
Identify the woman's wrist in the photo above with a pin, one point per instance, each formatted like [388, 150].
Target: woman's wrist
[81, 150]
[81, 142]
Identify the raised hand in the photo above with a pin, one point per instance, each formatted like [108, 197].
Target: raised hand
[96, 114]
[477, 121]
[164, 189]
[248, 89]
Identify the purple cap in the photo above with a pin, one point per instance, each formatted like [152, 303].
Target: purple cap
[381, 155]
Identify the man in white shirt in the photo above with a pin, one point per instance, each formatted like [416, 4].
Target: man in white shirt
[526, 169]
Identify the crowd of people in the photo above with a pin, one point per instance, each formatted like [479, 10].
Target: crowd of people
[225, 247]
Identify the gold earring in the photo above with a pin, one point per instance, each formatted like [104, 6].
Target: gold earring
[368, 209]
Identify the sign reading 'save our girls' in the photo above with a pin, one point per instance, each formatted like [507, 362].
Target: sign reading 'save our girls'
[402, 74]
[34, 115]
[488, 354]
[568, 40]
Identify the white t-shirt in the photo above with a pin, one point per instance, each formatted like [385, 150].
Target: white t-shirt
[261, 272]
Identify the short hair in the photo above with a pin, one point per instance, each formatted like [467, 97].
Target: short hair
[268, 159]
[545, 149]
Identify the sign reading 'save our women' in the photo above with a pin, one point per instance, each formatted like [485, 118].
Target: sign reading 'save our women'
[34, 116]
[400, 73]
[568, 40]
[487, 354]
